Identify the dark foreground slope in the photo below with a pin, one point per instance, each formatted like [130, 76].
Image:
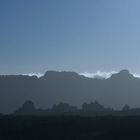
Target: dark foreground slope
[121, 88]
[69, 128]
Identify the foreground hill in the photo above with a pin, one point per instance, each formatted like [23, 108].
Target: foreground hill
[53, 87]
[69, 128]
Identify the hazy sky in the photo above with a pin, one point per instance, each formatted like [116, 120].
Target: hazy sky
[73, 35]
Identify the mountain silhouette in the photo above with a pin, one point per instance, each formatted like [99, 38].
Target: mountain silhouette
[120, 89]
[123, 74]
[27, 108]
[88, 109]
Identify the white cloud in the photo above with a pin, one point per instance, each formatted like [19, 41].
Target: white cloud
[98, 74]
[34, 74]
[136, 75]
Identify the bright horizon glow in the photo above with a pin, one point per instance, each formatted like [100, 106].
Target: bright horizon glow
[98, 74]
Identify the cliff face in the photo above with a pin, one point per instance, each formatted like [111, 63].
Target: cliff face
[53, 87]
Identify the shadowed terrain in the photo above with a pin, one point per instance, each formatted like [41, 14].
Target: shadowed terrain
[121, 88]
[79, 120]
[69, 128]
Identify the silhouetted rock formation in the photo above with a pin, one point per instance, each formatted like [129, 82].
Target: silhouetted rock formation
[126, 108]
[92, 107]
[68, 87]
[88, 109]
[64, 108]
[123, 74]
[27, 108]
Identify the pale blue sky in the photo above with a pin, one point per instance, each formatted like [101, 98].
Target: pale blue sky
[71, 35]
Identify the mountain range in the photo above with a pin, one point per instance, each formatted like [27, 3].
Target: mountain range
[121, 88]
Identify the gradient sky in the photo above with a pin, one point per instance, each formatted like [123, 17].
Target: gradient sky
[71, 35]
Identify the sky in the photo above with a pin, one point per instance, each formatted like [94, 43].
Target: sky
[71, 35]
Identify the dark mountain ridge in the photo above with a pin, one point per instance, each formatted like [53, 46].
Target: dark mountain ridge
[70, 87]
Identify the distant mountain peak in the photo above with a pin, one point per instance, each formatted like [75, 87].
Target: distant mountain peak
[123, 74]
[60, 73]
[27, 108]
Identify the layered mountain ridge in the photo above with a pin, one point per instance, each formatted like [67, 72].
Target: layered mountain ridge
[121, 88]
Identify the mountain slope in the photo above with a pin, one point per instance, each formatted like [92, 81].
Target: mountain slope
[53, 87]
